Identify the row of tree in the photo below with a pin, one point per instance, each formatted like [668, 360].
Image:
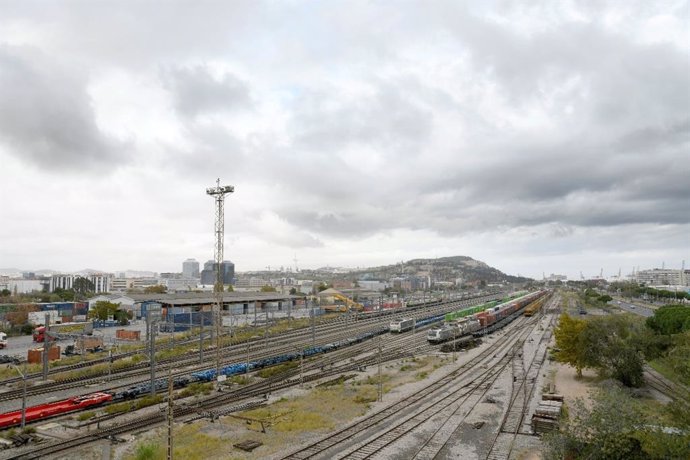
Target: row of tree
[670, 319]
[612, 345]
[617, 425]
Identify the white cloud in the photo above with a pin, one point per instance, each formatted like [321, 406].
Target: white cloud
[528, 135]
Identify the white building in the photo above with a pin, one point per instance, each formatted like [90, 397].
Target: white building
[180, 284]
[372, 285]
[662, 277]
[125, 302]
[20, 286]
[100, 281]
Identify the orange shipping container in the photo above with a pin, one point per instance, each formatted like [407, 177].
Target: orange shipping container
[124, 334]
[36, 354]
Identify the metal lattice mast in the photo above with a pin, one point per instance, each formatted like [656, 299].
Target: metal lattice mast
[219, 192]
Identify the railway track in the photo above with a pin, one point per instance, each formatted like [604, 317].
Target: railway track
[658, 382]
[233, 353]
[524, 383]
[399, 347]
[383, 428]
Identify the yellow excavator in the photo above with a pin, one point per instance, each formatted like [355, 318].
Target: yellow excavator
[350, 305]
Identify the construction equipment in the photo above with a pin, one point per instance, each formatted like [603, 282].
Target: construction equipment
[351, 304]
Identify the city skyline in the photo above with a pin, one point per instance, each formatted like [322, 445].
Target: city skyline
[551, 138]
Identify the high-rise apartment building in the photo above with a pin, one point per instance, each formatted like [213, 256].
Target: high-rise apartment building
[208, 274]
[190, 269]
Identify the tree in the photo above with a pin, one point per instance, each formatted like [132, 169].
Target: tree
[322, 287]
[268, 288]
[5, 293]
[20, 314]
[606, 431]
[293, 291]
[103, 310]
[157, 289]
[608, 344]
[670, 319]
[230, 288]
[82, 285]
[66, 295]
[567, 335]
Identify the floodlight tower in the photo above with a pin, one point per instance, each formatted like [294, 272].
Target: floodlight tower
[219, 192]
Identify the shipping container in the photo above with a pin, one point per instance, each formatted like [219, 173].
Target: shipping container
[39, 317]
[123, 334]
[35, 355]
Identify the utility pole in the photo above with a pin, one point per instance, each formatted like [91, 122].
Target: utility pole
[313, 320]
[171, 414]
[46, 346]
[301, 365]
[152, 350]
[219, 192]
[380, 386]
[201, 337]
[246, 369]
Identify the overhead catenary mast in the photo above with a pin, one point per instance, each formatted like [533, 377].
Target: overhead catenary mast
[219, 192]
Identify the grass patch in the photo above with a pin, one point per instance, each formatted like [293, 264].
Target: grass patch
[147, 401]
[119, 408]
[196, 388]
[239, 380]
[146, 451]
[86, 416]
[421, 375]
[374, 379]
[190, 444]
[275, 370]
[366, 395]
[663, 367]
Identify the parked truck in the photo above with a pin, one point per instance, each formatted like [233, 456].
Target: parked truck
[90, 344]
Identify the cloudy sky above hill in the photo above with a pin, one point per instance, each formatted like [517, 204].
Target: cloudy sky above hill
[535, 136]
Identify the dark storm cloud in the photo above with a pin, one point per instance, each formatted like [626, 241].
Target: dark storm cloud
[47, 118]
[196, 91]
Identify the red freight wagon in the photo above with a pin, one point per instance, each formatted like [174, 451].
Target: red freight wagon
[43, 411]
[486, 319]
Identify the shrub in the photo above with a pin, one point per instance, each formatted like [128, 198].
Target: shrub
[146, 451]
[86, 415]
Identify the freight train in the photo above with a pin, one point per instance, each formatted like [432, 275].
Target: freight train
[471, 320]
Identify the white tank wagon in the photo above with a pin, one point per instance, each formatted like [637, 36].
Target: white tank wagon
[402, 325]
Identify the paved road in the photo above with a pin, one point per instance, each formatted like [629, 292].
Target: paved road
[632, 308]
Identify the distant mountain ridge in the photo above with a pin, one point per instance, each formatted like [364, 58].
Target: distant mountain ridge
[448, 269]
[440, 269]
[85, 272]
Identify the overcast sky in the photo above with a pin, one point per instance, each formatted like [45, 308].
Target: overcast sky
[534, 136]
